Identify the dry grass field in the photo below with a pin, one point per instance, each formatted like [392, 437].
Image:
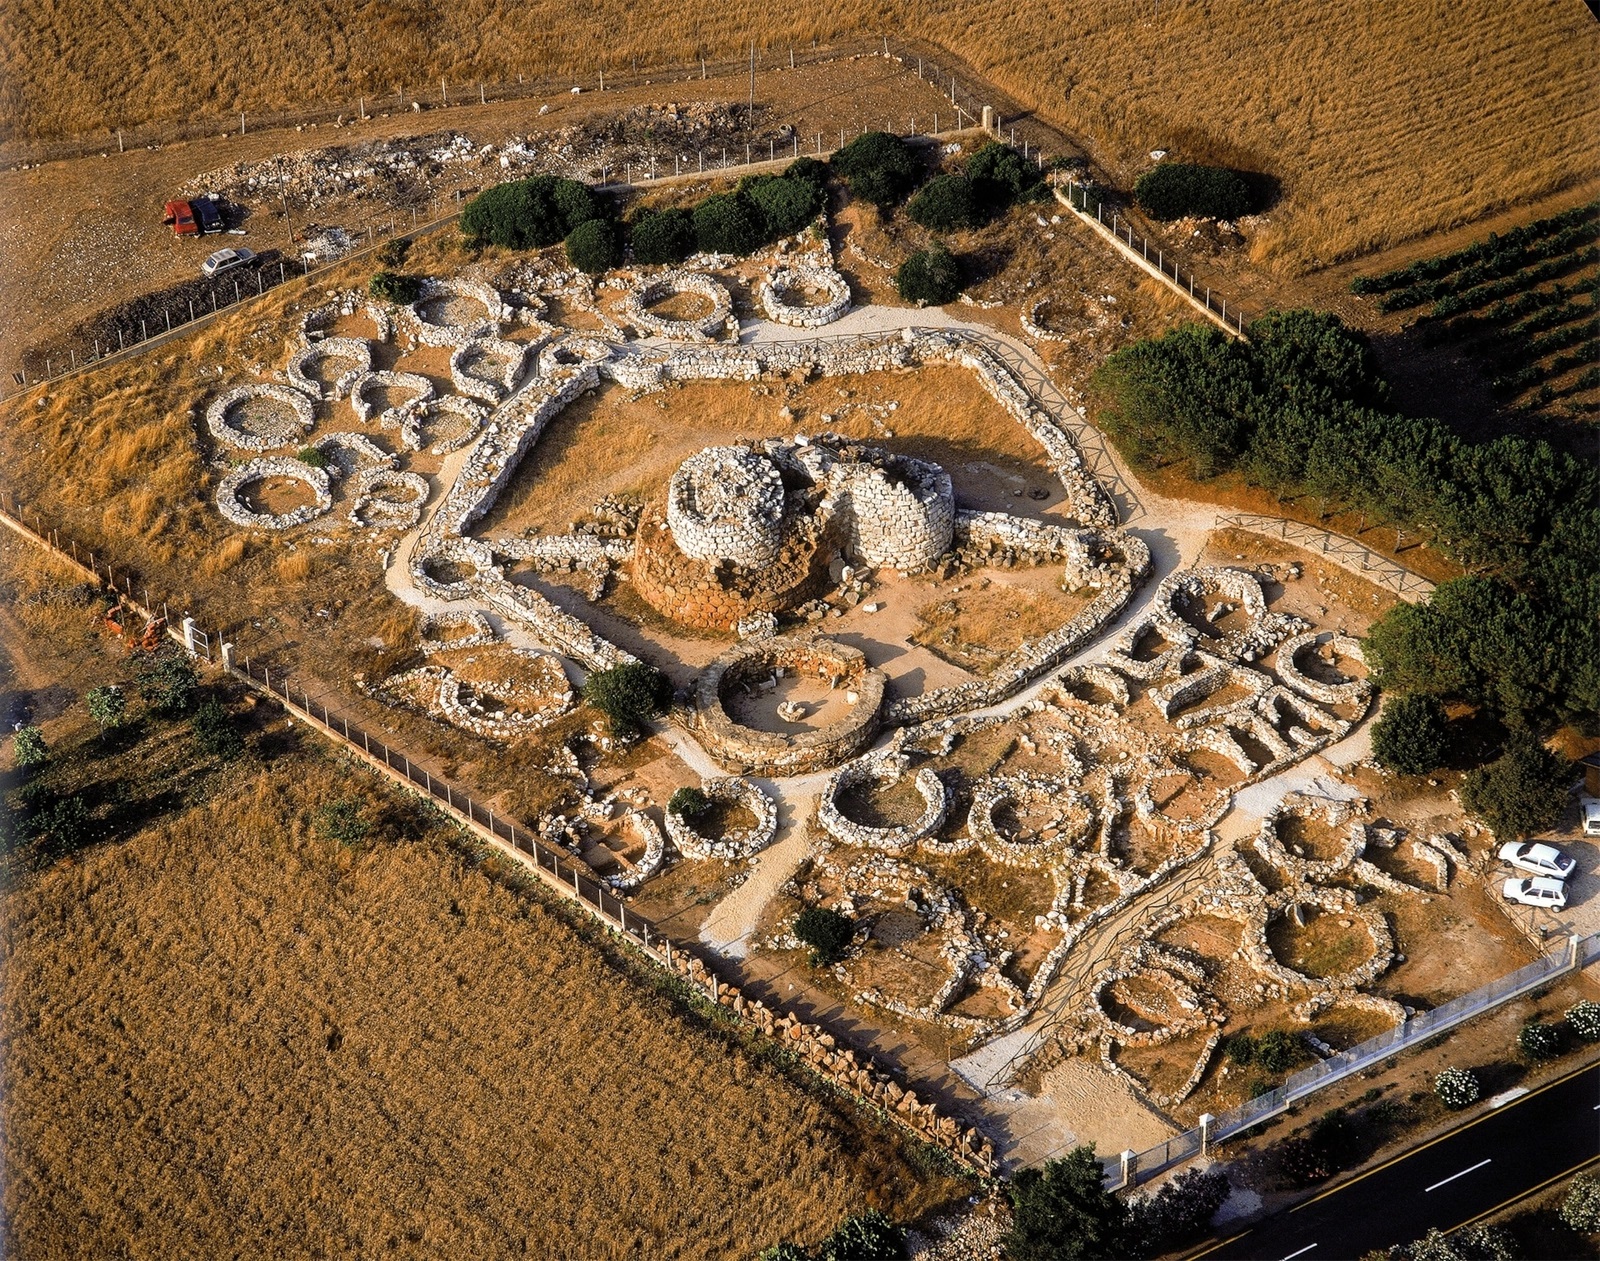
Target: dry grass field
[1382, 122]
[227, 1034]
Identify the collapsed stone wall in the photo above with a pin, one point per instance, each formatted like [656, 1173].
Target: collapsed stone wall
[635, 305]
[353, 349]
[235, 510]
[737, 843]
[754, 752]
[887, 770]
[1356, 691]
[219, 417]
[782, 295]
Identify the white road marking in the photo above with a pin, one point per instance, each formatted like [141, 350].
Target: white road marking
[1454, 1176]
[1302, 1251]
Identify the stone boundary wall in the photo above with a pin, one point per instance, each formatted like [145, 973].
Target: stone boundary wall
[741, 843]
[754, 752]
[775, 290]
[352, 348]
[220, 408]
[230, 505]
[888, 769]
[663, 284]
[1354, 692]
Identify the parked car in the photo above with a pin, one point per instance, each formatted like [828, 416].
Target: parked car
[1591, 818]
[207, 213]
[180, 214]
[227, 260]
[1538, 858]
[1538, 891]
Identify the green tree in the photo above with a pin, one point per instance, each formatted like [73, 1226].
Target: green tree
[1539, 1041]
[1580, 1210]
[1521, 792]
[878, 167]
[214, 731]
[1410, 735]
[167, 681]
[726, 223]
[628, 695]
[868, 1236]
[108, 706]
[342, 821]
[786, 205]
[1063, 1212]
[931, 275]
[826, 931]
[810, 171]
[594, 246]
[1583, 1018]
[946, 203]
[530, 213]
[1176, 189]
[1457, 1088]
[688, 801]
[28, 747]
[1181, 1210]
[391, 286]
[661, 236]
[1001, 177]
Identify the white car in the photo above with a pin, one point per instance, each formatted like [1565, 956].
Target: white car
[227, 260]
[1538, 891]
[1591, 818]
[1537, 858]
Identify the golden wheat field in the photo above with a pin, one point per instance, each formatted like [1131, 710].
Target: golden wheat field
[227, 1034]
[1382, 121]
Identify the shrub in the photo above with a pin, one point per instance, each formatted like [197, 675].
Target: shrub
[879, 167]
[808, 170]
[785, 1251]
[726, 223]
[1176, 189]
[826, 931]
[392, 253]
[1474, 1243]
[214, 731]
[1457, 1088]
[1277, 1051]
[1063, 1211]
[341, 821]
[391, 286]
[28, 746]
[688, 801]
[1580, 1210]
[530, 213]
[945, 203]
[1522, 791]
[1410, 735]
[1002, 176]
[594, 246]
[167, 681]
[108, 706]
[62, 825]
[786, 205]
[628, 695]
[1241, 1049]
[1179, 1211]
[931, 275]
[868, 1236]
[314, 456]
[1539, 1041]
[662, 236]
[1583, 1018]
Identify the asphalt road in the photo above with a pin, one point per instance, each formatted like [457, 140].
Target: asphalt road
[1455, 1179]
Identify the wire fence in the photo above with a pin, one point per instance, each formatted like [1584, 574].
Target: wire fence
[1131, 1168]
[1346, 552]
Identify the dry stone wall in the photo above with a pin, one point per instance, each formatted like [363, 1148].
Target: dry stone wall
[234, 508]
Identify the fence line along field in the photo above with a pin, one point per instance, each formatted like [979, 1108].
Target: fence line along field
[255, 1005]
[1381, 122]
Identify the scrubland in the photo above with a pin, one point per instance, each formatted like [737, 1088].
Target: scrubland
[1381, 122]
[228, 1034]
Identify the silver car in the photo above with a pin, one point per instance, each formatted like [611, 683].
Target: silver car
[1538, 859]
[1538, 891]
[227, 260]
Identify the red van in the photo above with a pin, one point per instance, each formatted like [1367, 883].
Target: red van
[180, 214]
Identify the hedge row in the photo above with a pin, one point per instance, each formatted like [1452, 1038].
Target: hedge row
[1301, 410]
[1477, 252]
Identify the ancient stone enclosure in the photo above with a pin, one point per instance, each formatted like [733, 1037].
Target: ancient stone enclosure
[978, 818]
